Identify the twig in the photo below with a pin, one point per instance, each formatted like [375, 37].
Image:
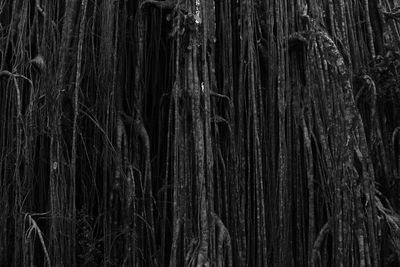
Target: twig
[318, 243]
[212, 93]
[35, 227]
[44, 14]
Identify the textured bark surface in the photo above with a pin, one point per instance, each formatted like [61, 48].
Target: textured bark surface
[199, 133]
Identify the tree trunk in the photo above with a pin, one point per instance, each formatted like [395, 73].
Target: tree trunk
[199, 133]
